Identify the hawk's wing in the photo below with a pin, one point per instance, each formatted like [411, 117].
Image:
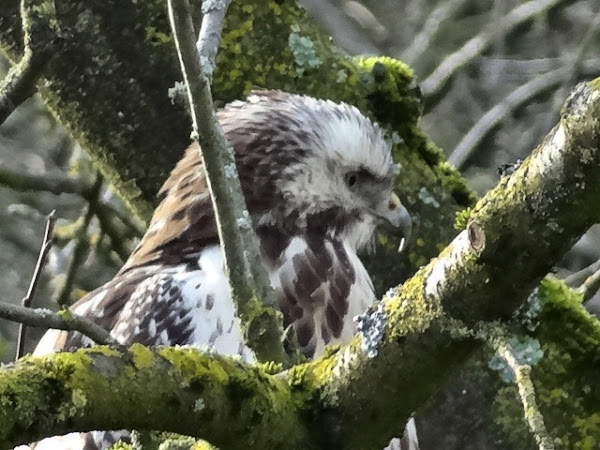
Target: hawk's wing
[163, 305]
[155, 305]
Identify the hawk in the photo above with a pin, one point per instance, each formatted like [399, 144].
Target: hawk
[318, 179]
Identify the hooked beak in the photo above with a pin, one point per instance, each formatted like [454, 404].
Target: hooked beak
[397, 216]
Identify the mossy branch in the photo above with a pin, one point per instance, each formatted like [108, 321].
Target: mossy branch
[248, 279]
[532, 414]
[40, 43]
[220, 399]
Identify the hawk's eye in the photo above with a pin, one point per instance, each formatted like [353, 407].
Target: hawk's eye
[351, 179]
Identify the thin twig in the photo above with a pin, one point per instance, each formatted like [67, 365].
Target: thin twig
[40, 44]
[495, 116]
[247, 276]
[422, 39]
[39, 266]
[82, 245]
[435, 82]
[578, 278]
[590, 286]
[533, 416]
[64, 320]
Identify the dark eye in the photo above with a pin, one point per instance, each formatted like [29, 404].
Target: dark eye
[351, 179]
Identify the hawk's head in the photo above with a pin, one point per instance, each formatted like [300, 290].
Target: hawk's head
[313, 164]
[305, 165]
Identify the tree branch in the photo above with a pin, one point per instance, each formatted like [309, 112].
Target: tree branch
[495, 116]
[64, 320]
[248, 279]
[183, 390]
[81, 245]
[41, 261]
[420, 43]
[40, 43]
[532, 414]
[483, 275]
[55, 184]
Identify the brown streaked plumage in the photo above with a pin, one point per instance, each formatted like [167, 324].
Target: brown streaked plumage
[317, 177]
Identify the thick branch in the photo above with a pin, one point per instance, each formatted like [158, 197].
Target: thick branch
[230, 404]
[40, 41]
[248, 279]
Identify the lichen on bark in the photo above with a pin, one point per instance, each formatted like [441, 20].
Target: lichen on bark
[566, 393]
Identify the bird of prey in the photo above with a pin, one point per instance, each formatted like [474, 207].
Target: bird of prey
[317, 177]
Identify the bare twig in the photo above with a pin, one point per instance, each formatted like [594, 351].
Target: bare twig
[533, 416]
[495, 116]
[422, 39]
[247, 276]
[435, 82]
[64, 320]
[345, 32]
[41, 261]
[82, 245]
[40, 43]
[591, 285]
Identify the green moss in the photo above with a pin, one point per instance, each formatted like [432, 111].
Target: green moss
[565, 379]
[462, 218]
[595, 83]
[143, 357]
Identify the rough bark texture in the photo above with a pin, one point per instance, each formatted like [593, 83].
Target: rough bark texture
[182, 390]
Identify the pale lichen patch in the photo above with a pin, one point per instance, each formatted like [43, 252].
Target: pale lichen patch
[303, 50]
[371, 328]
